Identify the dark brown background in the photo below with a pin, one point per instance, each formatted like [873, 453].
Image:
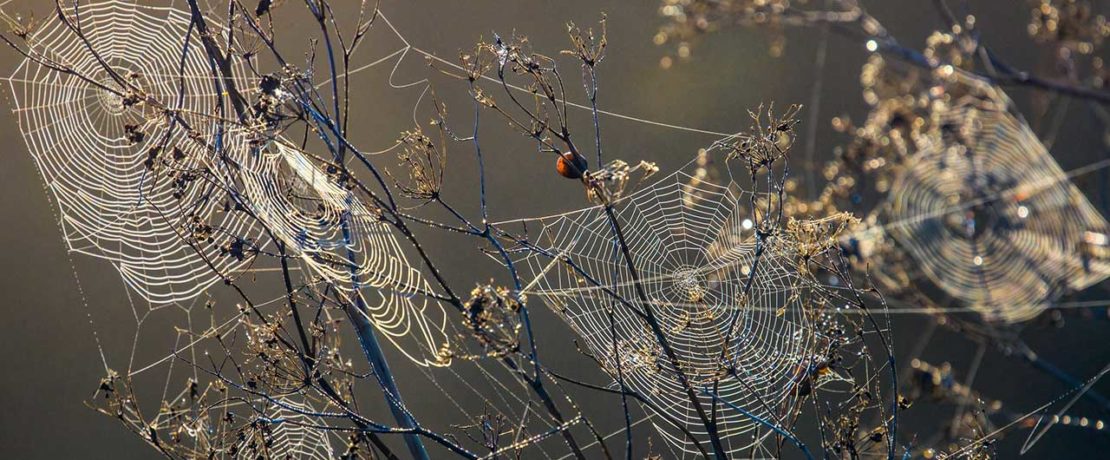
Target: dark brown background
[49, 363]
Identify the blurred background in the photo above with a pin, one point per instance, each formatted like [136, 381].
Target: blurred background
[57, 306]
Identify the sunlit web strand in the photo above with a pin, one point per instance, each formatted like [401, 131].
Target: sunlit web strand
[403, 51]
[227, 326]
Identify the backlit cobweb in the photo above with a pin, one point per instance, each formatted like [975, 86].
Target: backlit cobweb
[341, 238]
[159, 208]
[990, 217]
[113, 204]
[289, 429]
[693, 245]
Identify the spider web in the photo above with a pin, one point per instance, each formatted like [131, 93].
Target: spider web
[693, 245]
[119, 202]
[980, 218]
[113, 204]
[290, 432]
[991, 218]
[342, 239]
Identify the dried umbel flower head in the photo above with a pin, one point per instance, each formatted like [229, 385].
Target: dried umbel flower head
[474, 64]
[769, 138]
[1072, 23]
[588, 47]
[689, 19]
[812, 237]
[640, 354]
[269, 364]
[608, 184]
[425, 161]
[514, 56]
[491, 317]
[187, 424]
[19, 26]
[956, 47]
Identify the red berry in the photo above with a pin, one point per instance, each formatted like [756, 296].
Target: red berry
[571, 165]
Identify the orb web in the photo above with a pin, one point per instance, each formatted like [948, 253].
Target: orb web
[161, 208]
[122, 173]
[290, 431]
[693, 247]
[991, 218]
[342, 239]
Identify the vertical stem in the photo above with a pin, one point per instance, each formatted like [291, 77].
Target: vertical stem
[624, 390]
[815, 112]
[373, 351]
[710, 426]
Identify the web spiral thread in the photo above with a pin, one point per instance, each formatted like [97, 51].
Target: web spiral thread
[288, 432]
[693, 247]
[113, 204]
[991, 218]
[342, 239]
[149, 192]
